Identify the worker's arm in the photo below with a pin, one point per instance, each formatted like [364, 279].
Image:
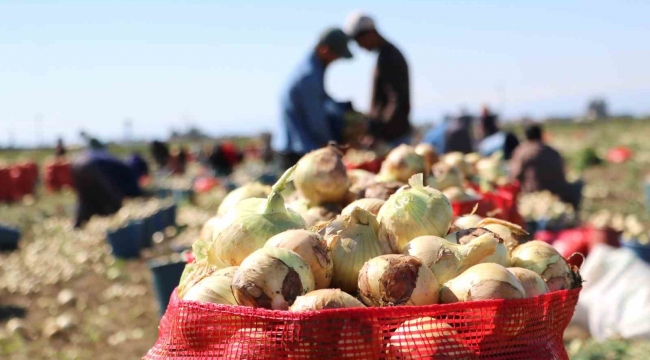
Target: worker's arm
[319, 112]
[396, 92]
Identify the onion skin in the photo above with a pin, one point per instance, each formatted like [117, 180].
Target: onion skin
[424, 338]
[312, 248]
[543, 259]
[401, 164]
[371, 205]
[447, 176]
[320, 213]
[214, 288]
[413, 212]
[353, 240]
[325, 299]
[321, 176]
[250, 190]
[467, 221]
[512, 234]
[447, 260]
[272, 278]
[533, 284]
[482, 282]
[393, 280]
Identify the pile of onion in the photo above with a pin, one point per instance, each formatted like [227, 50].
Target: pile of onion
[402, 163]
[247, 226]
[321, 176]
[393, 280]
[353, 239]
[272, 278]
[250, 190]
[312, 248]
[413, 212]
[544, 260]
[446, 259]
[426, 338]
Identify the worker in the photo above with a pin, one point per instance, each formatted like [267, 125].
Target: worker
[160, 153]
[458, 134]
[310, 117]
[60, 150]
[436, 135]
[539, 167]
[494, 139]
[101, 183]
[390, 98]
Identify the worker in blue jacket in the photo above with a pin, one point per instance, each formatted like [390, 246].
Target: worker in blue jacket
[310, 117]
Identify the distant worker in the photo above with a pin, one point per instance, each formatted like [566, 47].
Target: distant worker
[160, 153]
[60, 150]
[101, 183]
[539, 167]
[390, 98]
[310, 117]
[458, 134]
[436, 135]
[494, 139]
[92, 142]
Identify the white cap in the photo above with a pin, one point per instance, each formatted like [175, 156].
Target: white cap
[358, 22]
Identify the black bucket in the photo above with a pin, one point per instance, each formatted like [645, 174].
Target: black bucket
[166, 276]
[9, 238]
[124, 245]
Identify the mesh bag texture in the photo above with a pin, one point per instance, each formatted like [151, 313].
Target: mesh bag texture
[493, 329]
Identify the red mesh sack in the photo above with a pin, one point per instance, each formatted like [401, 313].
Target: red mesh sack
[494, 329]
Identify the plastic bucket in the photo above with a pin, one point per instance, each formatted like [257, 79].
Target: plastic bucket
[642, 251]
[169, 215]
[166, 276]
[159, 218]
[9, 238]
[149, 230]
[138, 231]
[124, 245]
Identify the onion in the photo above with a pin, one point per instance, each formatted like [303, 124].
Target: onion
[272, 278]
[354, 338]
[413, 212]
[353, 240]
[458, 194]
[321, 176]
[325, 299]
[250, 190]
[447, 260]
[312, 248]
[468, 236]
[457, 160]
[320, 213]
[382, 190]
[210, 227]
[543, 259]
[401, 163]
[214, 288]
[393, 280]
[248, 226]
[428, 153]
[511, 234]
[371, 205]
[482, 282]
[467, 221]
[447, 176]
[194, 272]
[360, 179]
[426, 338]
[533, 284]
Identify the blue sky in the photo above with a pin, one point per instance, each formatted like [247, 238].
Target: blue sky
[223, 64]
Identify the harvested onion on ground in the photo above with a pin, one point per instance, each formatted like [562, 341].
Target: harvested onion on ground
[402, 163]
[392, 280]
[272, 278]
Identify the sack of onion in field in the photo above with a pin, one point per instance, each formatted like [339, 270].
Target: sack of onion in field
[387, 278]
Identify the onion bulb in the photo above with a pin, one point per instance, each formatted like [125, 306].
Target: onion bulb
[247, 226]
[393, 280]
[447, 260]
[360, 179]
[467, 221]
[428, 153]
[447, 176]
[457, 160]
[325, 299]
[353, 338]
[458, 194]
[312, 248]
[511, 234]
[543, 259]
[353, 240]
[371, 205]
[214, 288]
[482, 282]
[210, 227]
[533, 284]
[250, 190]
[427, 338]
[321, 176]
[320, 213]
[402, 163]
[382, 190]
[413, 212]
[272, 278]
[467, 236]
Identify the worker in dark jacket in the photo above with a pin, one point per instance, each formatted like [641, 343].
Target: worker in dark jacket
[458, 134]
[391, 98]
[540, 167]
[101, 182]
[160, 153]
